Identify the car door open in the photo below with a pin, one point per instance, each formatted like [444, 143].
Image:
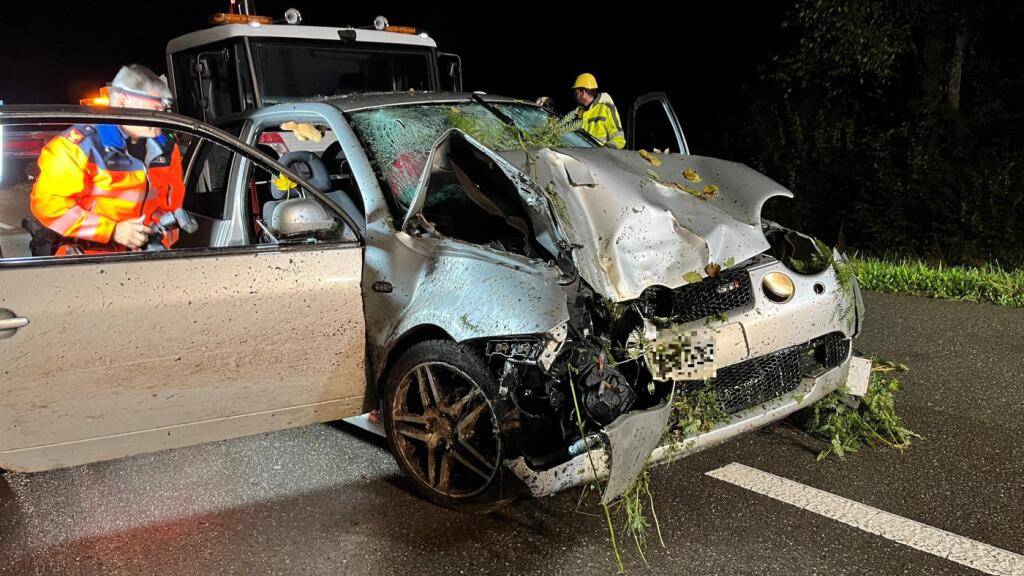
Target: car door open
[116, 354]
[653, 124]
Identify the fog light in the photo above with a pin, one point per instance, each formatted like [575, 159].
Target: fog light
[380, 23]
[778, 287]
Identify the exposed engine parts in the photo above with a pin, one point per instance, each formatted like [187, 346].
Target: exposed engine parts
[606, 393]
[586, 370]
[616, 358]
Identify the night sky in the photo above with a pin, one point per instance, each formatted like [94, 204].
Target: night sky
[701, 55]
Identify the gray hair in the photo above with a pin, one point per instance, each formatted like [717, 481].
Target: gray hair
[139, 80]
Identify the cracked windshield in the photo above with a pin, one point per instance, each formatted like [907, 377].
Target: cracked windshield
[399, 138]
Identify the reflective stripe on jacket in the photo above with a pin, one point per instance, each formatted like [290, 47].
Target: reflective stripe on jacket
[601, 120]
[88, 183]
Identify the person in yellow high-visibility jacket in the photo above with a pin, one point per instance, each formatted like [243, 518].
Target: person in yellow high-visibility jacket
[596, 113]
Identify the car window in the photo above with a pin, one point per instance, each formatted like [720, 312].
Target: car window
[208, 180]
[398, 139]
[313, 151]
[72, 185]
[207, 173]
[279, 212]
[88, 190]
[653, 130]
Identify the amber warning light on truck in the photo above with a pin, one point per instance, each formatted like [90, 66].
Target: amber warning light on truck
[103, 99]
[223, 18]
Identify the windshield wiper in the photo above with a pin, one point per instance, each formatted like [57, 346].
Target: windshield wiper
[494, 110]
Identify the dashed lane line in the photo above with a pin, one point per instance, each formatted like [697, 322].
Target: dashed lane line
[971, 553]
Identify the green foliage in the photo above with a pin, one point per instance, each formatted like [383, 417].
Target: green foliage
[634, 504]
[874, 423]
[821, 259]
[693, 413]
[864, 39]
[895, 125]
[501, 136]
[989, 283]
[607, 512]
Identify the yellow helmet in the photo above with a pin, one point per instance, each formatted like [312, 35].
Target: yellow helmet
[586, 80]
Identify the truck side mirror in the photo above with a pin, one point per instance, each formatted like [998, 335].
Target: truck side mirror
[451, 71]
[210, 73]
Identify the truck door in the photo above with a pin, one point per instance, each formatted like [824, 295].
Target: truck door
[653, 124]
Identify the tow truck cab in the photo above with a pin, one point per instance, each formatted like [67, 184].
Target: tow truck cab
[235, 67]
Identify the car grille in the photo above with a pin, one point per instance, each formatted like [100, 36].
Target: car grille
[761, 379]
[712, 296]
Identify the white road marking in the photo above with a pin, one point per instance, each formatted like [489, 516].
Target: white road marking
[971, 553]
[6, 226]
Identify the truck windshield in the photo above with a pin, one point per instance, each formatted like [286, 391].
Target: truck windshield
[290, 70]
[399, 138]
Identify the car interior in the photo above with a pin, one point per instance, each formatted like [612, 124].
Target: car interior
[469, 198]
[207, 168]
[321, 163]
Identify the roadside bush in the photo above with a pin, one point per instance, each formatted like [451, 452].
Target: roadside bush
[895, 125]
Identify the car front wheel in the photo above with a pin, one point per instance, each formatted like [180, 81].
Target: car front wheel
[442, 427]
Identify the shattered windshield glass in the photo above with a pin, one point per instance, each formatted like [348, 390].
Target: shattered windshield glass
[399, 138]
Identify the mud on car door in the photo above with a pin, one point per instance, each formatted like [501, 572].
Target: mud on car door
[653, 124]
[117, 353]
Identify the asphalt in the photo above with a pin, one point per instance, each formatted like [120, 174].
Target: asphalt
[325, 500]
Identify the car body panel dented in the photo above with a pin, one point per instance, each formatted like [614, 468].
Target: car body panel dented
[631, 439]
[636, 224]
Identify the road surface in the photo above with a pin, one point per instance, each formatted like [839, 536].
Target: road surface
[324, 500]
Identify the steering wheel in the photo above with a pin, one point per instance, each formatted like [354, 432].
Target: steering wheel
[309, 166]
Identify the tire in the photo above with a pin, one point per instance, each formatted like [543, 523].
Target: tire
[439, 418]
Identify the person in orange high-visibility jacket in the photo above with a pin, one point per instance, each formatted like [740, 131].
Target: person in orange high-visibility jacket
[100, 187]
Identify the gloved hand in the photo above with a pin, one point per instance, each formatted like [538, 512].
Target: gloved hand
[132, 233]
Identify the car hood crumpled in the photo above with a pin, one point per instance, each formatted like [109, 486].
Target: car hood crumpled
[638, 222]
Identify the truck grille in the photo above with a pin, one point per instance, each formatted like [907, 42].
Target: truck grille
[712, 296]
[761, 379]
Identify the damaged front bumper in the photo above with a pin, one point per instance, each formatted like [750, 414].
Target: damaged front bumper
[596, 465]
[771, 359]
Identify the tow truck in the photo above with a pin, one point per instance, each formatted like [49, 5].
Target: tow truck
[247, 61]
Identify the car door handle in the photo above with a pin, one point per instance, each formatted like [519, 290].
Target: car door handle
[13, 323]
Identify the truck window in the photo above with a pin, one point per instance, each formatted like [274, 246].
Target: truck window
[207, 81]
[290, 70]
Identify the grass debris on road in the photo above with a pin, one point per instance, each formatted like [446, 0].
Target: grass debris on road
[988, 284]
[873, 423]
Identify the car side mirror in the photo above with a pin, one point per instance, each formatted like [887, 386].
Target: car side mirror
[297, 218]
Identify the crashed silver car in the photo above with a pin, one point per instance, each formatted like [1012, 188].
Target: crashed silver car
[532, 302]
[575, 289]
